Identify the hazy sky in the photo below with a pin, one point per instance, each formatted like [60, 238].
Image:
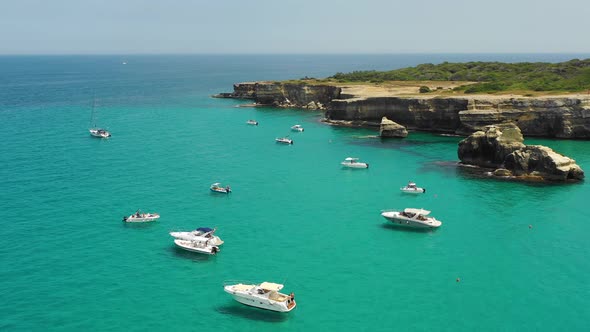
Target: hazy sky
[286, 26]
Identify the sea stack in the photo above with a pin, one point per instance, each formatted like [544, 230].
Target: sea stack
[390, 128]
[501, 147]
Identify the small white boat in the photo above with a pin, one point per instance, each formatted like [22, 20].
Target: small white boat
[197, 246]
[252, 122]
[284, 140]
[218, 188]
[353, 163]
[202, 234]
[139, 216]
[99, 132]
[411, 188]
[96, 131]
[297, 128]
[265, 296]
[415, 218]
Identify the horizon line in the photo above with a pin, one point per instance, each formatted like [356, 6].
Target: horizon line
[278, 54]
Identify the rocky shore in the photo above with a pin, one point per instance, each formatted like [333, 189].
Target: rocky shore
[500, 147]
[566, 116]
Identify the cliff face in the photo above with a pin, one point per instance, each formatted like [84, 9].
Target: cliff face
[438, 114]
[286, 94]
[567, 117]
[549, 117]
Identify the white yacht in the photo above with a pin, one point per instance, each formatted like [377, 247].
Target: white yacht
[200, 234]
[265, 296]
[218, 188]
[139, 216]
[197, 246]
[284, 140]
[411, 188]
[354, 163]
[415, 218]
[252, 122]
[297, 128]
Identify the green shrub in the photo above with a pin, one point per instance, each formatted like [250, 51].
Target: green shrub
[424, 89]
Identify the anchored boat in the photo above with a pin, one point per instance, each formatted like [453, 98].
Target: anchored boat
[411, 188]
[354, 163]
[415, 218]
[202, 234]
[218, 188]
[139, 216]
[265, 296]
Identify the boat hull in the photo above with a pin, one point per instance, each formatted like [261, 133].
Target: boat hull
[131, 219]
[413, 191]
[354, 165]
[207, 250]
[220, 190]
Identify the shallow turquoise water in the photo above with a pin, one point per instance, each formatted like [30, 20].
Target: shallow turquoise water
[295, 217]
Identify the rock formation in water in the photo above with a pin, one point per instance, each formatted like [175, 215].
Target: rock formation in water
[558, 117]
[501, 146]
[389, 128]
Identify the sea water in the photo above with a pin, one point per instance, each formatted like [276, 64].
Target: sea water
[509, 256]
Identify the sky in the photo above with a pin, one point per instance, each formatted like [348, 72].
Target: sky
[291, 27]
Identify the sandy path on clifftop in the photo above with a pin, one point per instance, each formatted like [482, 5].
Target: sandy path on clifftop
[442, 89]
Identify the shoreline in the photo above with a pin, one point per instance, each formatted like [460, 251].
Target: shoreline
[563, 116]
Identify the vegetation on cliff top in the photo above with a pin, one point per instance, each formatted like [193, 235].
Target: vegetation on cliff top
[569, 76]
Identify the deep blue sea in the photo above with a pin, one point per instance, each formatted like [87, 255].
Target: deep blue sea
[295, 216]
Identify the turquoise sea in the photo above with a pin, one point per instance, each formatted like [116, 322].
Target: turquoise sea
[68, 263]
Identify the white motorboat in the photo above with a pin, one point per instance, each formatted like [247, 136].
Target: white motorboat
[218, 188]
[284, 140]
[265, 296]
[252, 122]
[416, 218]
[96, 131]
[354, 163]
[297, 128]
[197, 246]
[139, 216]
[202, 234]
[411, 188]
[99, 132]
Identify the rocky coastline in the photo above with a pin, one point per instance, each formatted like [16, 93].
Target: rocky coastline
[565, 117]
[500, 147]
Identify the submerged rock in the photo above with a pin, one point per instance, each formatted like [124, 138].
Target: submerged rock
[390, 128]
[501, 146]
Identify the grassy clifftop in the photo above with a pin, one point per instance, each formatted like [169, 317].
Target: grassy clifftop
[569, 76]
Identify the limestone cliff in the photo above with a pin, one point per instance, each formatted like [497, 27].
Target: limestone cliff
[285, 94]
[558, 117]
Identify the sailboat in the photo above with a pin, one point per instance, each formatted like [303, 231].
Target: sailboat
[96, 131]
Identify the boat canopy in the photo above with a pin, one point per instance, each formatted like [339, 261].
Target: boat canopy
[417, 211]
[351, 159]
[204, 229]
[271, 286]
[215, 184]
